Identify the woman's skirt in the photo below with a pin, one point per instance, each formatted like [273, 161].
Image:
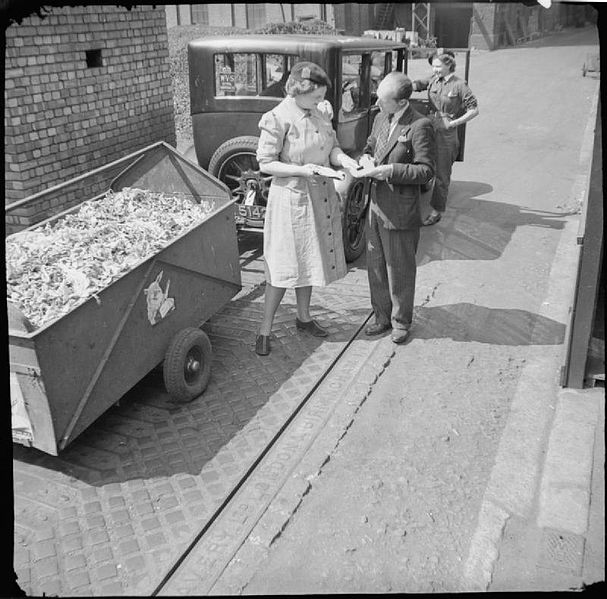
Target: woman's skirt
[303, 243]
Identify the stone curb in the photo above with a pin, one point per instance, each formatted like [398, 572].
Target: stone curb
[565, 488]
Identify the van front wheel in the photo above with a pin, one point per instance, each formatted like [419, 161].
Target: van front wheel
[235, 164]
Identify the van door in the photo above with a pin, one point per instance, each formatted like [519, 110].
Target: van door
[381, 63]
[353, 101]
[360, 76]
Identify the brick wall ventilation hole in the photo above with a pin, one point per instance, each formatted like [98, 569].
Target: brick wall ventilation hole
[93, 58]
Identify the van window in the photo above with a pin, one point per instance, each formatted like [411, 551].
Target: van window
[381, 65]
[235, 74]
[277, 68]
[351, 93]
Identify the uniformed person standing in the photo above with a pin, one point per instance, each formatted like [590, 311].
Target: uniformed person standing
[302, 241]
[452, 104]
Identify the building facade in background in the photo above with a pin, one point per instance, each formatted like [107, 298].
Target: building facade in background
[84, 86]
[482, 25]
[247, 16]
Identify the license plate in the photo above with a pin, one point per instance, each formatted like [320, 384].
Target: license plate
[251, 212]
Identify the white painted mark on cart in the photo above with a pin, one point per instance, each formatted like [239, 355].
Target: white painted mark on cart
[158, 301]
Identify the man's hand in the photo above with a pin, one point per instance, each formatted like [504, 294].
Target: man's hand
[349, 163]
[366, 161]
[381, 173]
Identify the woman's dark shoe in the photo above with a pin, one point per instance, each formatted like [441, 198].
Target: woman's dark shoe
[311, 327]
[432, 219]
[377, 329]
[262, 345]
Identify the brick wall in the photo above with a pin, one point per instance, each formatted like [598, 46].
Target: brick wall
[63, 117]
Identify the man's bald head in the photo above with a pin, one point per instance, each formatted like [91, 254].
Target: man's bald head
[397, 84]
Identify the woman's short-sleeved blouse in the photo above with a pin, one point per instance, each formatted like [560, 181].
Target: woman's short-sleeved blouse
[291, 135]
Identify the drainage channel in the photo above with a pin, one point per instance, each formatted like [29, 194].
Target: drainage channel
[168, 578]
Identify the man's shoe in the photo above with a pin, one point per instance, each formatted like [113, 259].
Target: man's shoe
[399, 335]
[311, 327]
[262, 345]
[377, 329]
[432, 219]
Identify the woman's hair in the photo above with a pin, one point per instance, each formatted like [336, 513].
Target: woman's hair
[306, 77]
[293, 87]
[447, 58]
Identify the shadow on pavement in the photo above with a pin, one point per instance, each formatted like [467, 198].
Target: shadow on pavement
[475, 229]
[496, 326]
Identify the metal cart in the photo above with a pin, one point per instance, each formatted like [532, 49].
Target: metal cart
[65, 374]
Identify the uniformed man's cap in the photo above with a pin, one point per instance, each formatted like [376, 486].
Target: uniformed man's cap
[311, 72]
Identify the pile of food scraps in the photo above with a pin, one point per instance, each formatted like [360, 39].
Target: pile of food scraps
[55, 267]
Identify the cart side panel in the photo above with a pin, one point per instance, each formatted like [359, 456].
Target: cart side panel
[32, 423]
[211, 250]
[97, 352]
[194, 278]
[146, 337]
[71, 349]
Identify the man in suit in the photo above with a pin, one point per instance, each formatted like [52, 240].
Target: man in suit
[399, 156]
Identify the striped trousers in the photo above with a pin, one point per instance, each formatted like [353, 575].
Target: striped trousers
[391, 268]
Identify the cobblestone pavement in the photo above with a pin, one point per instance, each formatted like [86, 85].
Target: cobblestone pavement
[112, 513]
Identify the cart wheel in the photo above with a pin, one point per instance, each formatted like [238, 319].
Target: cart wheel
[187, 364]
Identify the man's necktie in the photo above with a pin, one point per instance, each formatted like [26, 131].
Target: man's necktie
[383, 134]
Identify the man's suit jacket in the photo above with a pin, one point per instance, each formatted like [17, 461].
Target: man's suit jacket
[412, 151]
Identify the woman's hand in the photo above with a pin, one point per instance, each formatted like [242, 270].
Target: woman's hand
[308, 170]
[447, 122]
